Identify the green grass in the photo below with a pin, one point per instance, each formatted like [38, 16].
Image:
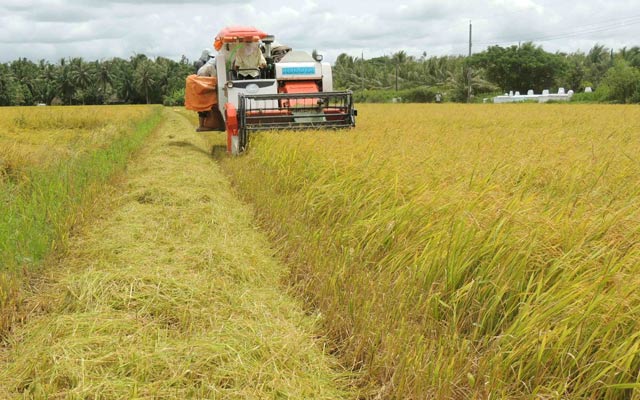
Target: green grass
[42, 204]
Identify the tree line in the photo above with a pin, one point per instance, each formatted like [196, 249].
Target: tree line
[75, 81]
[614, 75]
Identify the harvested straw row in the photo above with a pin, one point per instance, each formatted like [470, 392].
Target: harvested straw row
[172, 294]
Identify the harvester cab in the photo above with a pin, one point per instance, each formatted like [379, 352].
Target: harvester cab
[282, 89]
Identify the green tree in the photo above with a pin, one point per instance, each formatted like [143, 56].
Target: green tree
[82, 76]
[8, 87]
[621, 83]
[145, 77]
[124, 80]
[574, 75]
[25, 73]
[344, 72]
[65, 84]
[137, 80]
[520, 67]
[597, 63]
[632, 55]
[46, 82]
[165, 70]
[461, 80]
[104, 77]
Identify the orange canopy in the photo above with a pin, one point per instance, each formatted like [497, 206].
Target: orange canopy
[237, 34]
[200, 93]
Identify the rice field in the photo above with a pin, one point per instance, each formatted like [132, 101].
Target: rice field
[446, 251]
[40, 136]
[53, 162]
[464, 251]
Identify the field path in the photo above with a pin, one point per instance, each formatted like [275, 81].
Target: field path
[171, 293]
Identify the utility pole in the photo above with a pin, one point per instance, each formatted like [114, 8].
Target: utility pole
[611, 57]
[363, 88]
[397, 64]
[470, 37]
[469, 67]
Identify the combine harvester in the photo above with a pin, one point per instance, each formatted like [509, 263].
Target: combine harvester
[290, 90]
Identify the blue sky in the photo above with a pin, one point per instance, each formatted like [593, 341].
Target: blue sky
[94, 29]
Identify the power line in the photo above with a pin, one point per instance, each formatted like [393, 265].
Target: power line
[604, 21]
[565, 35]
[584, 30]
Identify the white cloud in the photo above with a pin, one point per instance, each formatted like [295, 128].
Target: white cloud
[95, 29]
[523, 5]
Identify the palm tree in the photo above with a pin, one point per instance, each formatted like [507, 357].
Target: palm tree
[598, 62]
[461, 82]
[345, 73]
[81, 75]
[631, 55]
[123, 81]
[599, 54]
[104, 76]
[137, 59]
[47, 82]
[145, 77]
[164, 72]
[399, 58]
[65, 82]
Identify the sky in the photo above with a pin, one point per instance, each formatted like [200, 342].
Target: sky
[102, 29]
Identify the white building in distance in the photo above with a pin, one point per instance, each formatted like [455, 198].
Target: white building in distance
[530, 96]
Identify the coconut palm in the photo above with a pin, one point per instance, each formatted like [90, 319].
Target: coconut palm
[47, 82]
[65, 83]
[598, 62]
[81, 75]
[632, 55]
[104, 76]
[145, 77]
[461, 82]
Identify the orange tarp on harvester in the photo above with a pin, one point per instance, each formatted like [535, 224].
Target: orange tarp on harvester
[238, 33]
[200, 93]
